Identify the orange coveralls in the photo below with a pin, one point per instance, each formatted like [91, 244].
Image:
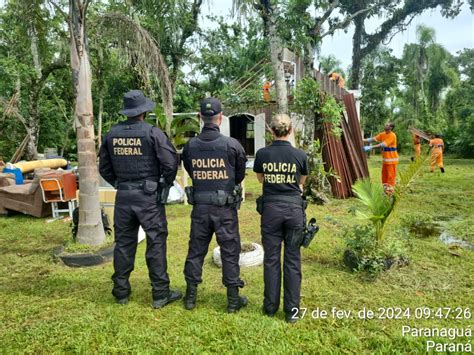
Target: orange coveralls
[389, 159]
[338, 79]
[266, 91]
[437, 147]
[417, 145]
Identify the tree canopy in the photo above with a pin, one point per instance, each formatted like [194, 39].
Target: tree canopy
[163, 48]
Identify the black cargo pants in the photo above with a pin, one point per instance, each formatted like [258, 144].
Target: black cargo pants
[205, 221]
[279, 218]
[132, 209]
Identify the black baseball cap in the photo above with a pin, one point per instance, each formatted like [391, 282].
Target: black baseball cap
[210, 106]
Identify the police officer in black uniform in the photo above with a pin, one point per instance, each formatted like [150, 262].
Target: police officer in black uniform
[216, 164]
[282, 169]
[133, 157]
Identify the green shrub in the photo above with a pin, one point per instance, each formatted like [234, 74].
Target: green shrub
[364, 253]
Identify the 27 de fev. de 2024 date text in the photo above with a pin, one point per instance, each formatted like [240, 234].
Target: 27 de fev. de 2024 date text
[385, 313]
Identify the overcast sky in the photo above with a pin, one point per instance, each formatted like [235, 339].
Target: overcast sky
[454, 34]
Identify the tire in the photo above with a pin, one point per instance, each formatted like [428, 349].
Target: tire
[85, 259]
[247, 259]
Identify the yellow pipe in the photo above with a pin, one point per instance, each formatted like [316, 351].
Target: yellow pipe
[27, 166]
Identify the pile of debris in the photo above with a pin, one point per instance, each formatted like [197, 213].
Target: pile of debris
[345, 155]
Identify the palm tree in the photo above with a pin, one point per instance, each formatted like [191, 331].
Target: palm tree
[90, 228]
[378, 206]
[147, 49]
[416, 56]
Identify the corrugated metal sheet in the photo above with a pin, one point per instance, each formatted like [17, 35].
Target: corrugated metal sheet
[344, 155]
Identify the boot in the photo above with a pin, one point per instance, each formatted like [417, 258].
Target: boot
[169, 298]
[290, 319]
[234, 301]
[190, 297]
[121, 301]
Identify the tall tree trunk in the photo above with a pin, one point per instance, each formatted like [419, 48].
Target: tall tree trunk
[32, 121]
[90, 228]
[167, 101]
[276, 55]
[308, 59]
[356, 52]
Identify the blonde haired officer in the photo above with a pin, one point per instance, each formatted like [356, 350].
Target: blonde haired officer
[282, 169]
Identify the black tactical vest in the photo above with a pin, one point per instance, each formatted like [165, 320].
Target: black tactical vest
[132, 153]
[210, 165]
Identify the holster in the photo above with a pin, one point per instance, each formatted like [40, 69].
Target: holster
[309, 232]
[189, 190]
[163, 191]
[237, 194]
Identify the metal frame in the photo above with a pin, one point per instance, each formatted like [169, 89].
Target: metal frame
[54, 204]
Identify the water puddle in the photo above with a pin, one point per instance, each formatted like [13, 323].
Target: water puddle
[452, 241]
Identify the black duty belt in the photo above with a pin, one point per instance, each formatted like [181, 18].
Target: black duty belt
[218, 198]
[294, 199]
[133, 185]
[130, 185]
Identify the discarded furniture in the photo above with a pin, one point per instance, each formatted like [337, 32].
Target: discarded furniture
[26, 198]
[16, 172]
[58, 187]
[7, 179]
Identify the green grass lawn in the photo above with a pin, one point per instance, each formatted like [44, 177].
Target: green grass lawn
[47, 307]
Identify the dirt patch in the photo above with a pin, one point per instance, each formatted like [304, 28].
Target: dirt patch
[247, 247]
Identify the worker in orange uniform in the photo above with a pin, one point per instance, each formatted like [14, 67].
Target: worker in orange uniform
[266, 91]
[388, 142]
[437, 148]
[338, 79]
[417, 146]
